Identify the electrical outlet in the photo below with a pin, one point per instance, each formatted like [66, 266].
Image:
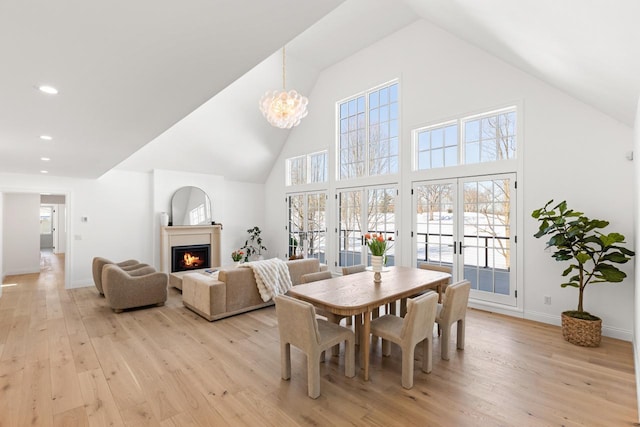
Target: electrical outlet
[547, 300]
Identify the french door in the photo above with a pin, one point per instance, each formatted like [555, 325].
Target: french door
[307, 225]
[467, 224]
[361, 211]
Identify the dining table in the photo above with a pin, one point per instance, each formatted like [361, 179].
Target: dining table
[358, 295]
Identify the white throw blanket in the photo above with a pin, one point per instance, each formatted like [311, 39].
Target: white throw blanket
[272, 277]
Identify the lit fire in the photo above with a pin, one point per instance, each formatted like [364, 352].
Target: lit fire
[190, 260]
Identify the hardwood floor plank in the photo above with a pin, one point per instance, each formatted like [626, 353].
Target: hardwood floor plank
[99, 402]
[168, 366]
[76, 417]
[35, 407]
[65, 389]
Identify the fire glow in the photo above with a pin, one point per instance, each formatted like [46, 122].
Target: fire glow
[190, 260]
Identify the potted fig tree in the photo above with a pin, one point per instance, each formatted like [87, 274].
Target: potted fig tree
[592, 256]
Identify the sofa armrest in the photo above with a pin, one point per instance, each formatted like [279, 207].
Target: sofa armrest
[204, 295]
[324, 267]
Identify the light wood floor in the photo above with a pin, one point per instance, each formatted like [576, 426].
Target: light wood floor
[66, 359]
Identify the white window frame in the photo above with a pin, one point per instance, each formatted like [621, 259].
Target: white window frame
[366, 146]
[307, 177]
[460, 123]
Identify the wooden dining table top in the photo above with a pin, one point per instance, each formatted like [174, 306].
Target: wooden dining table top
[356, 293]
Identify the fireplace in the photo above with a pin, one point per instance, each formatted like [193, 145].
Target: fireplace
[190, 257]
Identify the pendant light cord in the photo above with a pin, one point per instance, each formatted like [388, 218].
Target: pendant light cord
[283, 68]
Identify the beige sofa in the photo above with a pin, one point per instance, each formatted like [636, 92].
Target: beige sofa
[235, 290]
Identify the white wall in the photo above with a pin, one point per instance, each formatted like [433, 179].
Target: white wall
[122, 210]
[118, 211]
[568, 150]
[1, 239]
[636, 210]
[237, 206]
[21, 236]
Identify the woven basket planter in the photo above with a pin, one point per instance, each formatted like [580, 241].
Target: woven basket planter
[585, 333]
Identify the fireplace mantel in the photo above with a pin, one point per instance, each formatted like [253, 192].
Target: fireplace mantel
[182, 235]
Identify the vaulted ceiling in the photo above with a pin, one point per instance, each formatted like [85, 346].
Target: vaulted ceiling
[170, 85]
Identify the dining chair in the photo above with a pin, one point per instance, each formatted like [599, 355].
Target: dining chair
[313, 277]
[299, 326]
[453, 310]
[440, 268]
[353, 269]
[437, 267]
[407, 332]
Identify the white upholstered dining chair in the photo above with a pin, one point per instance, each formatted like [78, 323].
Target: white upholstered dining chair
[299, 326]
[453, 310]
[407, 332]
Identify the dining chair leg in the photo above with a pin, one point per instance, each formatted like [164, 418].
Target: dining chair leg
[427, 355]
[460, 330]
[407, 367]
[444, 342]
[313, 375]
[386, 348]
[285, 360]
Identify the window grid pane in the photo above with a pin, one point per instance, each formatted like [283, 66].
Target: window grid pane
[318, 167]
[352, 126]
[437, 147]
[369, 134]
[490, 138]
[297, 172]
[383, 132]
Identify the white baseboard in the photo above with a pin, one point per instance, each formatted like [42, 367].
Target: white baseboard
[607, 331]
[22, 271]
[636, 357]
[81, 284]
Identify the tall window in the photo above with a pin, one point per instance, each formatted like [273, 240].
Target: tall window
[487, 137]
[307, 169]
[368, 126]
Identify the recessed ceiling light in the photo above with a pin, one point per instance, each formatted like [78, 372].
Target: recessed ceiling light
[46, 137]
[48, 89]
[44, 171]
[45, 159]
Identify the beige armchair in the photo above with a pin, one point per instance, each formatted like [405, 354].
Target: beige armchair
[453, 309]
[299, 326]
[123, 290]
[99, 263]
[417, 326]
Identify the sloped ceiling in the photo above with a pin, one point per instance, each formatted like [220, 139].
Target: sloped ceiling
[128, 71]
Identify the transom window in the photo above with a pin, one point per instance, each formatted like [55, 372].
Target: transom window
[368, 126]
[311, 168]
[487, 137]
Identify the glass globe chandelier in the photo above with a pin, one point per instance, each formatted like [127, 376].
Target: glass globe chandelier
[283, 109]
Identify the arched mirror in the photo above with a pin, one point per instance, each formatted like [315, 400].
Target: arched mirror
[190, 206]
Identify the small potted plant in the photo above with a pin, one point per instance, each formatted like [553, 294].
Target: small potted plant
[592, 255]
[237, 256]
[253, 245]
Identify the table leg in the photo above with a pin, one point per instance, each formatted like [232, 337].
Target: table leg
[358, 331]
[364, 343]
